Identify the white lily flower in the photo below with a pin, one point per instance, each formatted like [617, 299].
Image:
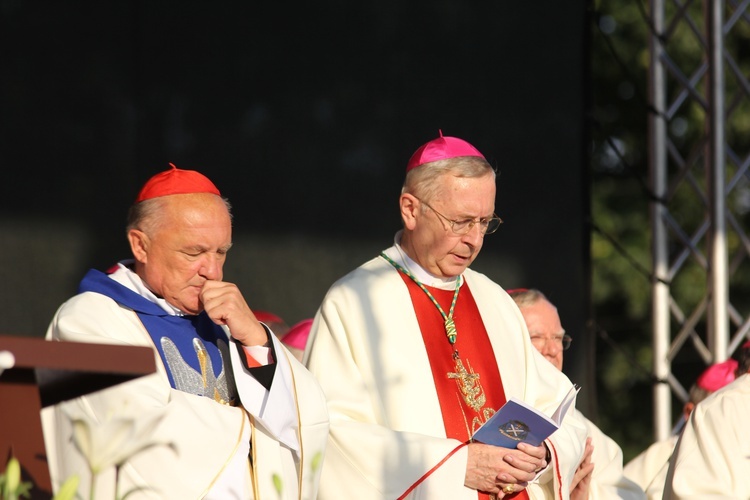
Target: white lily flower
[114, 440]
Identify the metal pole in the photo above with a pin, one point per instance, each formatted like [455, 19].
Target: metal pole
[718, 289]
[658, 171]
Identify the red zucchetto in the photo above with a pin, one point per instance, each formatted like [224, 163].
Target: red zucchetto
[442, 148]
[176, 181]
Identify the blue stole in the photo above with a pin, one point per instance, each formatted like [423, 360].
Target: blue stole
[181, 330]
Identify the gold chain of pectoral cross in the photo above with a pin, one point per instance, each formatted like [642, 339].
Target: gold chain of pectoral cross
[450, 326]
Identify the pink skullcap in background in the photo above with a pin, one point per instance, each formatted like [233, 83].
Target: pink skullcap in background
[176, 181]
[441, 148]
[746, 344]
[717, 375]
[297, 334]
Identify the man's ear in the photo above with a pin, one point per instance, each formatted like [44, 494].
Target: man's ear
[409, 205]
[139, 243]
[687, 409]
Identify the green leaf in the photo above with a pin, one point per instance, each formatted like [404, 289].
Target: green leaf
[12, 475]
[317, 458]
[277, 483]
[68, 489]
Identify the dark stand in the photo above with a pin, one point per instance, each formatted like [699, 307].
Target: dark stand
[49, 372]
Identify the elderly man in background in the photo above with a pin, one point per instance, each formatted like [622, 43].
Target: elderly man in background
[649, 468]
[601, 471]
[415, 351]
[712, 456]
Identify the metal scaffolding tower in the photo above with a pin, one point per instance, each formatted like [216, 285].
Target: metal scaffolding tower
[700, 180]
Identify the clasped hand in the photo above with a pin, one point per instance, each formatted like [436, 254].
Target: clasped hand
[225, 305]
[490, 468]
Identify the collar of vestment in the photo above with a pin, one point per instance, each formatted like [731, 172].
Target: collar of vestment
[399, 255]
[124, 275]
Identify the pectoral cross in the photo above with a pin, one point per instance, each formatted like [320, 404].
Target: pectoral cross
[468, 383]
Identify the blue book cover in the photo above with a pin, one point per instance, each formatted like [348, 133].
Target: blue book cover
[517, 422]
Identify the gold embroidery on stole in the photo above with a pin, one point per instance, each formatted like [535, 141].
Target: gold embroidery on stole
[472, 392]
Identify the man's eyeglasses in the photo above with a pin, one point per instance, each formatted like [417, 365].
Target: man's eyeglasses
[487, 225]
[563, 341]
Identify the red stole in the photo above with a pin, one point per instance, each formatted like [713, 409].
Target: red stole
[482, 375]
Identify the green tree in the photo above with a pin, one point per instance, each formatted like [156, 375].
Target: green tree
[621, 240]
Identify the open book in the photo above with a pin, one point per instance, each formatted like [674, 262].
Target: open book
[517, 422]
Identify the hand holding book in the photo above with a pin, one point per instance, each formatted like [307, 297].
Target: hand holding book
[518, 422]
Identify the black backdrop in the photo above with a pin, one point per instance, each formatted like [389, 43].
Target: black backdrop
[304, 115]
